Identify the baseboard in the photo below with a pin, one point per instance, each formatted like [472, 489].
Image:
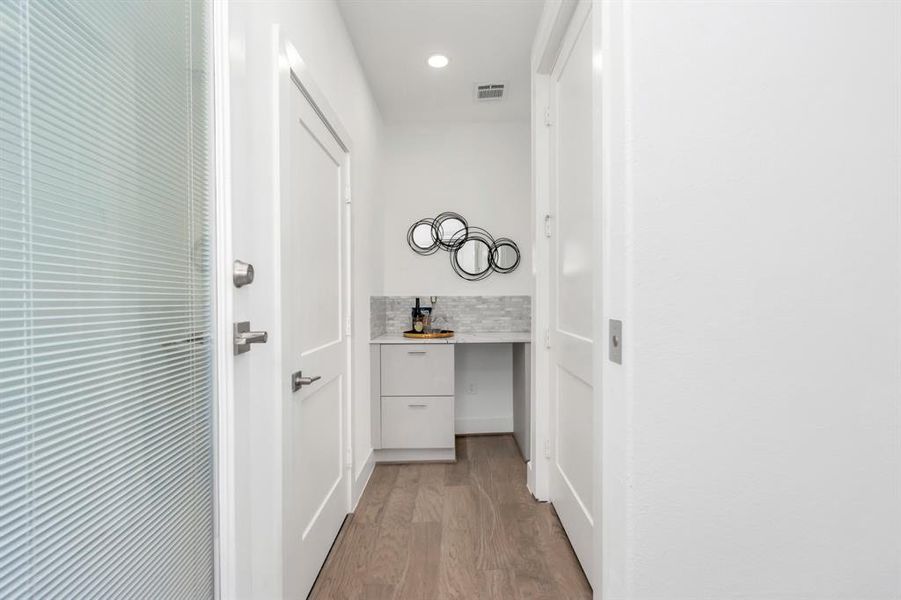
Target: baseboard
[361, 480]
[530, 478]
[483, 425]
[518, 447]
[401, 455]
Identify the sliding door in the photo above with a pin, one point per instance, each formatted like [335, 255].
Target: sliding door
[106, 439]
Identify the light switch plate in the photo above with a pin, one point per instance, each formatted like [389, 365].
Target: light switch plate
[616, 341]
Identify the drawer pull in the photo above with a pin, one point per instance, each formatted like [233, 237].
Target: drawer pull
[415, 351]
[416, 405]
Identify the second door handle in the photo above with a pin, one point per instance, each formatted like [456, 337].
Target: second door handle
[298, 380]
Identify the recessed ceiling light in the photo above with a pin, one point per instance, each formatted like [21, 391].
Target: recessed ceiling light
[438, 61]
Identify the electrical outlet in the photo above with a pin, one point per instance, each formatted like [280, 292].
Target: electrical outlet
[471, 388]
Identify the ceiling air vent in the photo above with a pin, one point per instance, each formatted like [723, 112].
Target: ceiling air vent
[486, 92]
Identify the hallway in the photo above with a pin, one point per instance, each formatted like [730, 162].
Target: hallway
[464, 530]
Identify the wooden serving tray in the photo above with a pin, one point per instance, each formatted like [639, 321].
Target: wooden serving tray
[429, 336]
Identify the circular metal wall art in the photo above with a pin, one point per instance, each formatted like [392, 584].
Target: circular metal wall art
[451, 230]
[422, 237]
[471, 260]
[474, 253]
[505, 255]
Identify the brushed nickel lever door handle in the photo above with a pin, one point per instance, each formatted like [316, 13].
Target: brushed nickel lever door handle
[298, 380]
[244, 337]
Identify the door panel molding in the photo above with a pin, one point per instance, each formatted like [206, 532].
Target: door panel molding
[570, 287]
[302, 110]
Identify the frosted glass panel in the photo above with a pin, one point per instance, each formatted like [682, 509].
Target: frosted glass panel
[105, 356]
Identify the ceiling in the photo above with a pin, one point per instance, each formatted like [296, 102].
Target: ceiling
[486, 41]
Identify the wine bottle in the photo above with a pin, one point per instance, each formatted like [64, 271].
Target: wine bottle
[418, 324]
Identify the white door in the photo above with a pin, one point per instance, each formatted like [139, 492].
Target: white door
[313, 174]
[572, 240]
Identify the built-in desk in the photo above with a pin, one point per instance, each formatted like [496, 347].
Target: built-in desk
[412, 394]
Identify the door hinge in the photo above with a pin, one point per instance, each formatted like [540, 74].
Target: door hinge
[347, 196]
[547, 448]
[347, 326]
[547, 338]
[348, 459]
[547, 116]
[547, 226]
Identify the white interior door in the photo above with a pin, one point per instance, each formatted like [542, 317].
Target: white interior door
[313, 173]
[571, 272]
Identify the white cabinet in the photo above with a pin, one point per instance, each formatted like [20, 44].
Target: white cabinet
[418, 421]
[413, 402]
[413, 397]
[418, 370]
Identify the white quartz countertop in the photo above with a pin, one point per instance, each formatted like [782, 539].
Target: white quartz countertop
[502, 337]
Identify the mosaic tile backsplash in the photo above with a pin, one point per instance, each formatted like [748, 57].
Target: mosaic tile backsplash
[466, 314]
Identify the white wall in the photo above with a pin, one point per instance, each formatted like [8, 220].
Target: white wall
[753, 434]
[318, 33]
[480, 170]
[483, 386]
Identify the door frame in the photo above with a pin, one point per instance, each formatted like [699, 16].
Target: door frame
[225, 526]
[610, 221]
[225, 460]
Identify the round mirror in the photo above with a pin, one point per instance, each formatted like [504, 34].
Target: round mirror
[421, 237]
[471, 258]
[505, 256]
[451, 230]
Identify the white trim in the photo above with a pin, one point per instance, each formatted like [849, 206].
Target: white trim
[224, 456]
[552, 27]
[464, 426]
[300, 72]
[361, 480]
[579, 14]
[403, 455]
[538, 476]
[348, 328]
[612, 135]
[602, 287]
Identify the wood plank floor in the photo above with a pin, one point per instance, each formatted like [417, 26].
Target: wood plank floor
[465, 530]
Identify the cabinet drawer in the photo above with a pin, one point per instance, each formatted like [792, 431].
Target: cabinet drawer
[418, 370]
[418, 422]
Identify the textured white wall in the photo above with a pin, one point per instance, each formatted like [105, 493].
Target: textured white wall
[479, 170]
[317, 31]
[756, 151]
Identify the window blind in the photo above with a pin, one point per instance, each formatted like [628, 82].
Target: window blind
[106, 440]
